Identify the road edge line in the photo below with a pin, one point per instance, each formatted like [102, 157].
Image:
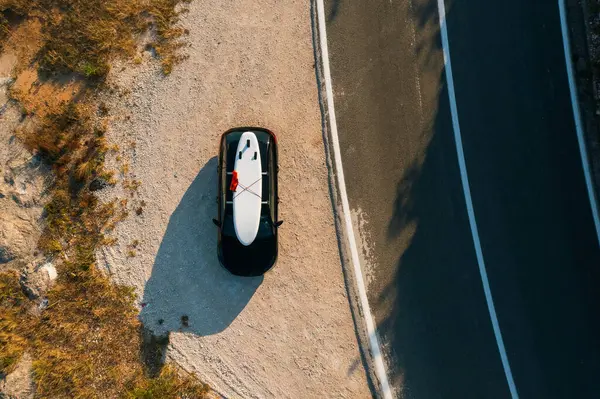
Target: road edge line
[469, 202]
[377, 358]
[577, 117]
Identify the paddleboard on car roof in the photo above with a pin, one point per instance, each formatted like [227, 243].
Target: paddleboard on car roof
[247, 195]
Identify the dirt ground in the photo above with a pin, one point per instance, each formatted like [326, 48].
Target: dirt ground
[289, 334]
[22, 181]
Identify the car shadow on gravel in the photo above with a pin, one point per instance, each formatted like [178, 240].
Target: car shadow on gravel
[189, 291]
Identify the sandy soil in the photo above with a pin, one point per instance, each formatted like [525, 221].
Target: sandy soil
[289, 334]
[22, 181]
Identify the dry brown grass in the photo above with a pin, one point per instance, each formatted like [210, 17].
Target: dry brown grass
[88, 342]
[13, 318]
[83, 36]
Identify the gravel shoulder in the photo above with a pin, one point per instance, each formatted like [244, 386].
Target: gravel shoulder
[289, 334]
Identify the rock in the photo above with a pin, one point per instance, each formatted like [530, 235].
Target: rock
[98, 184]
[36, 280]
[24, 180]
[43, 304]
[18, 233]
[6, 254]
[49, 270]
[19, 383]
[6, 81]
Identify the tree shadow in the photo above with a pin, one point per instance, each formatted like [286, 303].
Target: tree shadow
[333, 11]
[437, 327]
[188, 289]
[533, 238]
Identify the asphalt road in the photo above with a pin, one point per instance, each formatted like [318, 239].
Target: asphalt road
[527, 184]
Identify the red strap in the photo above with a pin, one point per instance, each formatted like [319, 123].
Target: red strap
[234, 181]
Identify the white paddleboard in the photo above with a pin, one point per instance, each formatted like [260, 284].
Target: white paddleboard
[247, 197]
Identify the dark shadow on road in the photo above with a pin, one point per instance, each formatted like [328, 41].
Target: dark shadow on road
[527, 187]
[189, 290]
[335, 7]
[438, 328]
[437, 325]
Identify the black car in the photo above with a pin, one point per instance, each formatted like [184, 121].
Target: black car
[247, 218]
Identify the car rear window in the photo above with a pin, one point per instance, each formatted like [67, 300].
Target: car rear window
[265, 227]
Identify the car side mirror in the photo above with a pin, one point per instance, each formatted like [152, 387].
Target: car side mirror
[279, 223]
[216, 222]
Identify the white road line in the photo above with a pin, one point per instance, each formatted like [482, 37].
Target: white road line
[577, 117]
[362, 291]
[467, 192]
